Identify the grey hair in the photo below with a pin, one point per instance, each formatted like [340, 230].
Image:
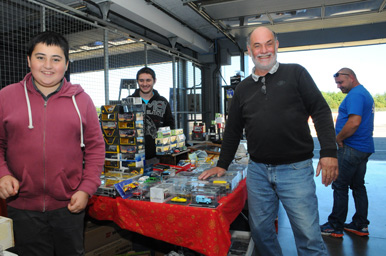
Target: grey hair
[250, 33]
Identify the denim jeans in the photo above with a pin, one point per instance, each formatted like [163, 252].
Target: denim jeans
[294, 185]
[352, 170]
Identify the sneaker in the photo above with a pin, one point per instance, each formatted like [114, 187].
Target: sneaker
[328, 230]
[351, 227]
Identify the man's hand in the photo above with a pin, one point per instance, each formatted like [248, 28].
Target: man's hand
[214, 171]
[329, 168]
[9, 186]
[339, 143]
[78, 202]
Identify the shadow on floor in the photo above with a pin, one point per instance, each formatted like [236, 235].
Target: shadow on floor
[349, 245]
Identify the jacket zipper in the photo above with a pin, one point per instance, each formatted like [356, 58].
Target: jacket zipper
[44, 155]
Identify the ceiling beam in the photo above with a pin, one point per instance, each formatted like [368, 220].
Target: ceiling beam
[336, 22]
[382, 6]
[213, 22]
[152, 18]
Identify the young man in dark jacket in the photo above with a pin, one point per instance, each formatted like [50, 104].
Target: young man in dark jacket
[158, 112]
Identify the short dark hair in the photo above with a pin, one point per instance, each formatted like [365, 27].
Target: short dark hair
[49, 38]
[146, 70]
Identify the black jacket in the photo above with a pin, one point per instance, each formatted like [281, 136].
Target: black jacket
[157, 114]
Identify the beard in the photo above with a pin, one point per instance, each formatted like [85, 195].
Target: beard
[265, 65]
[344, 90]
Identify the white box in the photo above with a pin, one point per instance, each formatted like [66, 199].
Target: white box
[161, 193]
[6, 233]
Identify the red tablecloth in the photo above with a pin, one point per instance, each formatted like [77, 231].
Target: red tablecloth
[201, 229]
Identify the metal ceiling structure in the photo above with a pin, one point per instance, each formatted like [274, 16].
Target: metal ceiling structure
[198, 24]
[204, 32]
[197, 27]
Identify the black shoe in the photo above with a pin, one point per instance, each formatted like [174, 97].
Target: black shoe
[328, 230]
[351, 227]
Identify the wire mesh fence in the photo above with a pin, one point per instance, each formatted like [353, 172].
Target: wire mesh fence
[100, 57]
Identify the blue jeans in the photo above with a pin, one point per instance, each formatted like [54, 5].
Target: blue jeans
[352, 170]
[294, 185]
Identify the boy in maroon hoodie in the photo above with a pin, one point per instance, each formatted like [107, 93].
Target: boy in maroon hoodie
[51, 152]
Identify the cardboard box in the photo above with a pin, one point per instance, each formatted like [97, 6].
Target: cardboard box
[119, 246]
[97, 236]
[146, 253]
[6, 233]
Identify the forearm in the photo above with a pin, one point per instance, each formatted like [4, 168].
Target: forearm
[346, 132]
[349, 128]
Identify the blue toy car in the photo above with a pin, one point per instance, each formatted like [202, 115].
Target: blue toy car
[203, 199]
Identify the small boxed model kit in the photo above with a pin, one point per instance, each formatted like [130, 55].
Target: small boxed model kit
[145, 191]
[164, 132]
[162, 141]
[242, 168]
[109, 125]
[126, 188]
[182, 191]
[132, 149]
[230, 177]
[205, 198]
[106, 191]
[129, 116]
[142, 190]
[162, 149]
[161, 193]
[177, 131]
[109, 109]
[173, 139]
[111, 148]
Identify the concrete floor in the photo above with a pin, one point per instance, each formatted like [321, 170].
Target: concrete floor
[349, 245]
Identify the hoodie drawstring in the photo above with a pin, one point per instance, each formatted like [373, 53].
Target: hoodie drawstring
[80, 119]
[30, 126]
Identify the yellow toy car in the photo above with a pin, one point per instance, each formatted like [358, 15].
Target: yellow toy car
[179, 199]
[130, 186]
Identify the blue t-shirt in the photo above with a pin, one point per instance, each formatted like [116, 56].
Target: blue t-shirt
[358, 102]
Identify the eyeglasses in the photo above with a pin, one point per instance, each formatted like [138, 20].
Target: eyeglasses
[338, 74]
[263, 87]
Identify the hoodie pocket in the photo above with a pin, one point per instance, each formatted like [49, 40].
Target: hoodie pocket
[65, 184]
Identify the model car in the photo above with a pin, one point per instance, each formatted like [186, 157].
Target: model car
[152, 179]
[203, 199]
[130, 186]
[179, 199]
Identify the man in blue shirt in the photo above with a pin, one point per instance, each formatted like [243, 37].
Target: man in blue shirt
[354, 136]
